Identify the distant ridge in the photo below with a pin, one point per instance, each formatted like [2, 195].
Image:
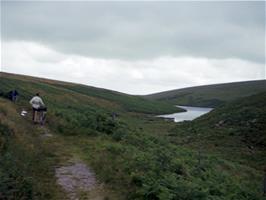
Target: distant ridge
[210, 95]
[50, 81]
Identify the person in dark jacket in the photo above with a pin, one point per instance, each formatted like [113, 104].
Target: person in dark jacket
[13, 95]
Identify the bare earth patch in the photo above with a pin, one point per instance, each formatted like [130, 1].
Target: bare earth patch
[76, 179]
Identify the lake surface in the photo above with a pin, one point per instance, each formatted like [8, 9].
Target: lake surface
[190, 114]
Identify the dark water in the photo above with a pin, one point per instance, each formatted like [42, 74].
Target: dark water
[190, 114]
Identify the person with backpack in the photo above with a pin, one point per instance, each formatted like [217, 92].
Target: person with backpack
[36, 103]
[14, 95]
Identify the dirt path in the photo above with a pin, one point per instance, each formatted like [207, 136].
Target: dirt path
[76, 179]
[72, 178]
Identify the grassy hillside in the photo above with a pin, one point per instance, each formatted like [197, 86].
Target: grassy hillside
[131, 155]
[236, 131]
[108, 99]
[26, 162]
[210, 95]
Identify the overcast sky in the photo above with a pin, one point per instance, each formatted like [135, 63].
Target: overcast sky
[135, 47]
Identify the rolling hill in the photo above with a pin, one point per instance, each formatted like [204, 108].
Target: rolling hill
[210, 95]
[134, 156]
[234, 130]
[111, 99]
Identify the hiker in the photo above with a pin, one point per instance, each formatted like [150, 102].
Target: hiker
[13, 95]
[36, 103]
[114, 116]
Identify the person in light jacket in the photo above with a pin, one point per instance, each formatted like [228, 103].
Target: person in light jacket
[36, 103]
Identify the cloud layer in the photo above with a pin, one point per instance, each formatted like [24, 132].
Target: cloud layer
[140, 30]
[135, 47]
[134, 77]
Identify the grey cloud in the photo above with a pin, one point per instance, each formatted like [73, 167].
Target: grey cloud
[139, 30]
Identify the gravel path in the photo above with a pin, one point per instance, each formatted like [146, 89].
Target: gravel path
[75, 179]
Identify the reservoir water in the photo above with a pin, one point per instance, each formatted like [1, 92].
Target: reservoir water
[190, 114]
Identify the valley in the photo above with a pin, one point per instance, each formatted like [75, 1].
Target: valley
[133, 155]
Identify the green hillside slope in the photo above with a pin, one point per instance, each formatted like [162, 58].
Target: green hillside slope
[109, 99]
[26, 162]
[210, 95]
[133, 156]
[236, 130]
